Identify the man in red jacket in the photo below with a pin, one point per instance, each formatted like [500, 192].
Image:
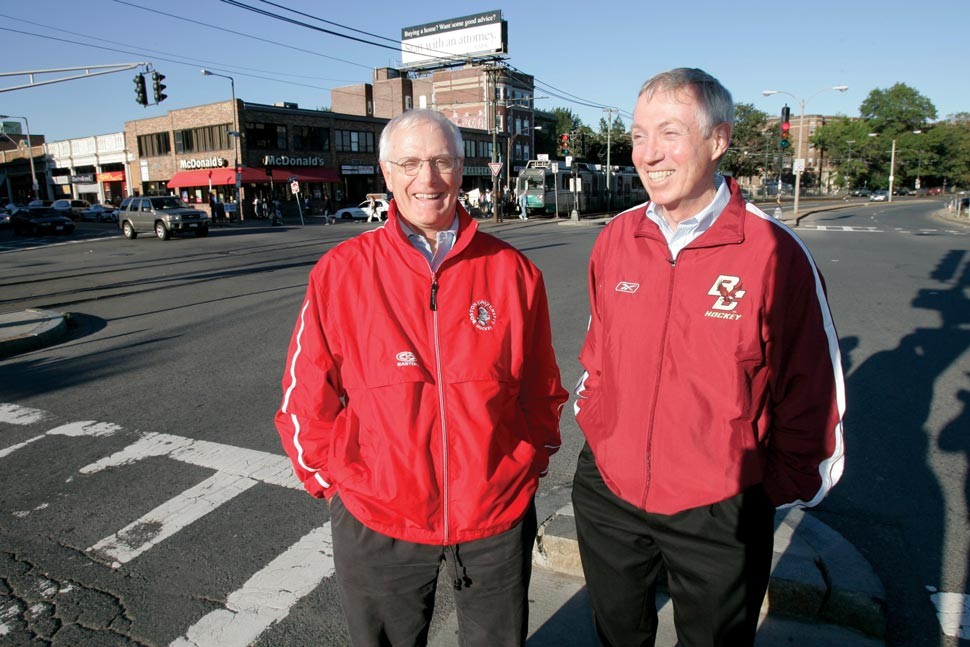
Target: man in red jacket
[713, 388]
[422, 400]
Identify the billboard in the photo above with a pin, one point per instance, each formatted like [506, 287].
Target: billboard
[455, 39]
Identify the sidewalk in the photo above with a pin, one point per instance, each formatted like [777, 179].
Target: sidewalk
[26, 330]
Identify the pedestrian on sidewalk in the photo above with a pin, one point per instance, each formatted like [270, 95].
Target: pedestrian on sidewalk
[428, 441]
[706, 413]
[523, 212]
[372, 209]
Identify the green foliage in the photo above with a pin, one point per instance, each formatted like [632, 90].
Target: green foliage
[753, 147]
[896, 110]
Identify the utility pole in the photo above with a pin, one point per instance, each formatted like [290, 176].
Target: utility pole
[609, 170]
[491, 87]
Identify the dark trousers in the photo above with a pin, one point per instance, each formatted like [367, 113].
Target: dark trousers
[717, 557]
[387, 586]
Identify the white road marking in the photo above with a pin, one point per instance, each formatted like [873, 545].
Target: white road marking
[953, 612]
[85, 428]
[170, 517]
[260, 466]
[15, 414]
[266, 598]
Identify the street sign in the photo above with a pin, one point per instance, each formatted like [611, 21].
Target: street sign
[569, 160]
[799, 166]
[496, 168]
[294, 187]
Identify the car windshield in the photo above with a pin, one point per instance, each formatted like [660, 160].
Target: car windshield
[168, 202]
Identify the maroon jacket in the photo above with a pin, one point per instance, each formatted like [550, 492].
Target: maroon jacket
[713, 373]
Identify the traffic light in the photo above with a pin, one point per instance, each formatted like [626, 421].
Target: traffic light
[564, 144]
[785, 127]
[141, 95]
[158, 87]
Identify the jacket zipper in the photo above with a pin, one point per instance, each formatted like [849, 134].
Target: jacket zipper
[656, 391]
[441, 406]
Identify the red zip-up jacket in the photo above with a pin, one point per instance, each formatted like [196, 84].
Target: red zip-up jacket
[712, 373]
[429, 400]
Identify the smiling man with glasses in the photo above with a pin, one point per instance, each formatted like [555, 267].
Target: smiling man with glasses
[422, 400]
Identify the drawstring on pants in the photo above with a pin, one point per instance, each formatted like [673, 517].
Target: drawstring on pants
[461, 579]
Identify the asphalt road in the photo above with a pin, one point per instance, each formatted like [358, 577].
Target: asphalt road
[165, 391]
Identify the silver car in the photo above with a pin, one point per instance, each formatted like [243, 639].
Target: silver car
[163, 214]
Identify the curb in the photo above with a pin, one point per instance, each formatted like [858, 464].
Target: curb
[42, 328]
[816, 575]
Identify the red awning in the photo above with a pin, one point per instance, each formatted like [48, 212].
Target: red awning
[303, 174]
[226, 176]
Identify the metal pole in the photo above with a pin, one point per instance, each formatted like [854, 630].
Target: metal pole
[235, 128]
[892, 170]
[34, 185]
[493, 100]
[609, 129]
[798, 156]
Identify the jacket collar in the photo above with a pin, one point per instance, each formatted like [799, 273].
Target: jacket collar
[467, 227]
[728, 229]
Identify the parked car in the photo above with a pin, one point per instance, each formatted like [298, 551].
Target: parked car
[163, 214]
[100, 213]
[859, 192]
[40, 203]
[361, 211]
[879, 196]
[935, 190]
[71, 208]
[40, 221]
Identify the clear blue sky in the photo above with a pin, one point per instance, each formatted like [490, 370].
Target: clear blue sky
[599, 52]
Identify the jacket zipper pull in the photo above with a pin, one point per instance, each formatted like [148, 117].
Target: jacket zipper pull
[434, 294]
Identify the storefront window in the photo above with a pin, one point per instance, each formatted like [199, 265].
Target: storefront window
[266, 136]
[154, 145]
[311, 138]
[205, 139]
[354, 141]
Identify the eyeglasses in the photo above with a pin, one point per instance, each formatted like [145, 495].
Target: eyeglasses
[412, 165]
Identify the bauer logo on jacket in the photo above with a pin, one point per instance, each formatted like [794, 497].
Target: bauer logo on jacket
[728, 290]
[482, 315]
[626, 286]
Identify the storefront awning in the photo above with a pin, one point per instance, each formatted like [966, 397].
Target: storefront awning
[227, 176]
[314, 174]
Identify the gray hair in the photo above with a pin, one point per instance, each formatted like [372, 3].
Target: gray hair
[715, 103]
[419, 116]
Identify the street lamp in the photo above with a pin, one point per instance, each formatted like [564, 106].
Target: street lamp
[234, 134]
[799, 161]
[30, 153]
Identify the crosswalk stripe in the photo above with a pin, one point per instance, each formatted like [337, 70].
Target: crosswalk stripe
[170, 517]
[266, 598]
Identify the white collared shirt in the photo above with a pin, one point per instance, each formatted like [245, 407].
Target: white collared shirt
[689, 230]
[445, 240]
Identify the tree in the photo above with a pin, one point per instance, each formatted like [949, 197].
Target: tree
[897, 110]
[620, 144]
[752, 149]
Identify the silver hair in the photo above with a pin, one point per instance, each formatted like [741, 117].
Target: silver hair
[419, 116]
[715, 103]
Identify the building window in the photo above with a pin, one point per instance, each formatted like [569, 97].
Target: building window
[311, 138]
[354, 141]
[469, 149]
[266, 136]
[408, 103]
[154, 145]
[203, 140]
